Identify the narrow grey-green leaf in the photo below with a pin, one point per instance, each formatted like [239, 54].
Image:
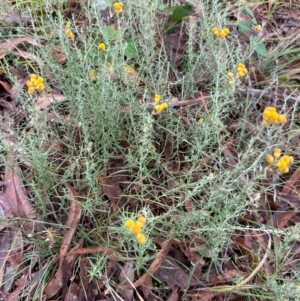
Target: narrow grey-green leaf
[249, 12]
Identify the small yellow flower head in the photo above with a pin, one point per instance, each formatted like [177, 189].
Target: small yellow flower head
[40, 87]
[257, 27]
[160, 107]
[137, 228]
[33, 77]
[129, 224]
[277, 152]
[92, 75]
[141, 221]
[241, 69]
[285, 169]
[287, 159]
[280, 118]
[284, 162]
[39, 80]
[270, 159]
[230, 74]
[118, 7]
[102, 46]
[141, 238]
[29, 83]
[70, 33]
[157, 97]
[226, 30]
[31, 90]
[200, 121]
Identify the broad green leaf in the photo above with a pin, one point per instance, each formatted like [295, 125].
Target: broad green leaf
[130, 51]
[181, 11]
[110, 32]
[261, 49]
[249, 12]
[245, 26]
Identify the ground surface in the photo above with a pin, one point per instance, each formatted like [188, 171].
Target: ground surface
[149, 150]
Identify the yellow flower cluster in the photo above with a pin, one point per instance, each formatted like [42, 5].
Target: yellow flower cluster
[220, 32]
[69, 32]
[241, 69]
[270, 115]
[159, 107]
[35, 83]
[102, 46]
[118, 7]
[157, 97]
[257, 27]
[92, 75]
[282, 163]
[230, 75]
[136, 227]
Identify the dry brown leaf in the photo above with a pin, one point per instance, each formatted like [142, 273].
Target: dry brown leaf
[73, 292]
[147, 290]
[59, 55]
[91, 250]
[48, 99]
[29, 56]
[7, 210]
[177, 44]
[5, 240]
[19, 290]
[126, 278]
[112, 190]
[16, 249]
[230, 154]
[15, 191]
[281, 219]
[9, 45]
[174, 295]
[155, 264]
[86, 280]
[291, 182]
[173, 274]
[65, 268]
[207, 295]
[6, 86]
[72, 221]
[57, 281]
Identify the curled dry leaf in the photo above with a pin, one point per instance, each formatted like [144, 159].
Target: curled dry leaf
[4, 250]
[59, 55]
[174, 296]
[291, 182]
[29, 56]
[126, 278]
[46, 100]
[173, 274]
[9, 45]
[6, 86]
[57, 281]
[155, 264]
[14, 190]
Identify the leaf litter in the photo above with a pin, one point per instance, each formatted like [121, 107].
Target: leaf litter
[191, 273]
